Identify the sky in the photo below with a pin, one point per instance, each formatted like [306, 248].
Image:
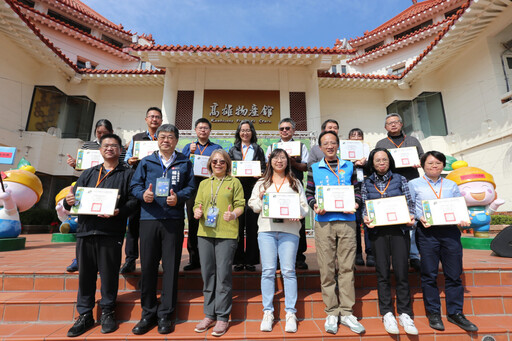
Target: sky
[269, 23]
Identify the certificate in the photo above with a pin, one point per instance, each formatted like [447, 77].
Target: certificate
[95, 201]
[405, 157]
[351, 150]
[245, 168]
[336, 198]
[141, 149]
[292, 148]
[87, 158]
[200, 163]
[388, 211]
[281, 205]
[449, 211]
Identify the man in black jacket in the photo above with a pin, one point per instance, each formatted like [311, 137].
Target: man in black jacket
[100, 238]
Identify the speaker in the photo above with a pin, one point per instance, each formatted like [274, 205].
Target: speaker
[502, 243]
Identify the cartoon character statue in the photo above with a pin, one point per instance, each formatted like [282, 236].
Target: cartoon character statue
[23, 189]
[478, 188]
[68, 223]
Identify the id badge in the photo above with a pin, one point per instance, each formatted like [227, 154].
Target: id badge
[162, 187]
[211, 217]
[360, 175]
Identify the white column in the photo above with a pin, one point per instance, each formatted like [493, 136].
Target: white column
[284, 93]
[198, 94]
[170, 95]
[313, 102]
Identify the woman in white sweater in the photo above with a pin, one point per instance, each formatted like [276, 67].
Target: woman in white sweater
[278, 237]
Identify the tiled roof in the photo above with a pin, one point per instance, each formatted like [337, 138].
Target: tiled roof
[122, 72]
[243, 49]
[326, 74]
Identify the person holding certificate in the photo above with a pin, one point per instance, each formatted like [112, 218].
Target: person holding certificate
[390, 242]
[278, 237]
[335, 236]
[247, 149]
[100, 238]
[204, 147]
[162, 182]
[439, 243]
[218, 205]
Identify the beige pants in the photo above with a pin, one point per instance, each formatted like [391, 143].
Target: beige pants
[336, 240]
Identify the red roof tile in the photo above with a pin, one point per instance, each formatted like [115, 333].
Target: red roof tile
[326, 74]
[122, 72]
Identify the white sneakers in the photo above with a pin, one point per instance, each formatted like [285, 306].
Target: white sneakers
[408, 324]
[267, 321]
[291, 323]
[405, 321]
[351, 322]
[331, 324]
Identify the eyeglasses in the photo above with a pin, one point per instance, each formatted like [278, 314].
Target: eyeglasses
[285, 128]
[110, 146]
[279, 158]
[203, 128]
[220, 162]
[154, 117]
[166, 137]
[381, 161]
[245, 131]
[392, 123]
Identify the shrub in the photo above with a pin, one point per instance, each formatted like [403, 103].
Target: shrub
[38, 216]
[499, 219]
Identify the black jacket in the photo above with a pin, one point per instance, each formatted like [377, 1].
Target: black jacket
[235, 153]
[120, 178]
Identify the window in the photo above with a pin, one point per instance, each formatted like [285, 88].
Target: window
[111, 41]
[414, 29]
[397, 70]
[425, 113]
[373, 47]
[450, 13]
[28, 3]
[333, 69]
[50, 107]
[81, 63]
[68, 21]
[343, 69]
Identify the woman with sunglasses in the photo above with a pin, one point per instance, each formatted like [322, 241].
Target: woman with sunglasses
[247, 149]
[278, 237]
[218, 205]
[390, 243]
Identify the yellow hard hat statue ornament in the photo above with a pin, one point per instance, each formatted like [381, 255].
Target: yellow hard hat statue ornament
[478, 188]
[20, 190]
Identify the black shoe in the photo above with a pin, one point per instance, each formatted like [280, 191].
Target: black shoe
[165, 326]
[237, 267]
[435, 321]
[460, 320]
[301, 265]
[415, 264]
[128, 267]
[370, 261]
[83, 323]
[250, 267]
[359, 259]
[191, 266]
[144, 326]
[108, 323]
[73, 266]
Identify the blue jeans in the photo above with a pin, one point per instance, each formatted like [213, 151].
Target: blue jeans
[285, 245]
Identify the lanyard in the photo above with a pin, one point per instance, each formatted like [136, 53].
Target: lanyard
[432, 188]
[214, 198]
[202, 151]
[399, 145]
[151, 136]
[163, 167]
[246, 151]
[100, 179]
[385, 189]
[337, 169]
[282, 183]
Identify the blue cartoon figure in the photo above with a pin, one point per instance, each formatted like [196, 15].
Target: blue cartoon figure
[69, 223]
[21, 190]
[478, 188]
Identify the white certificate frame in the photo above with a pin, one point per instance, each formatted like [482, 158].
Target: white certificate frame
[95, 201]
[141, 149]
[281, 205]
[87, 158]
[200, 163]
[292, 148]
[447, 211]
[336, 198]
[388, 211]
[246, 168]
[405, 157]
[352, 150]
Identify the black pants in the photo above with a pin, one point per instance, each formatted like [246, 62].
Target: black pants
[98, 253]
[193, 226]
[390, 242]
[303, 244]
[160, 240]
[441, 243]
[131, 248]
[248, 223]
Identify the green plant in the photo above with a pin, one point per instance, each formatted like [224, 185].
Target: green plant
[500, 219]
[38, 216]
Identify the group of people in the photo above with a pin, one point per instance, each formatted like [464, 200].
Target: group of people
[221, 209]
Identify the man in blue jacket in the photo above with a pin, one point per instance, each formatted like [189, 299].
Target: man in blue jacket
[162, 182]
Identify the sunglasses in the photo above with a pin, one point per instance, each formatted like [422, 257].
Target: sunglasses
[285, 128]
[220, 162]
